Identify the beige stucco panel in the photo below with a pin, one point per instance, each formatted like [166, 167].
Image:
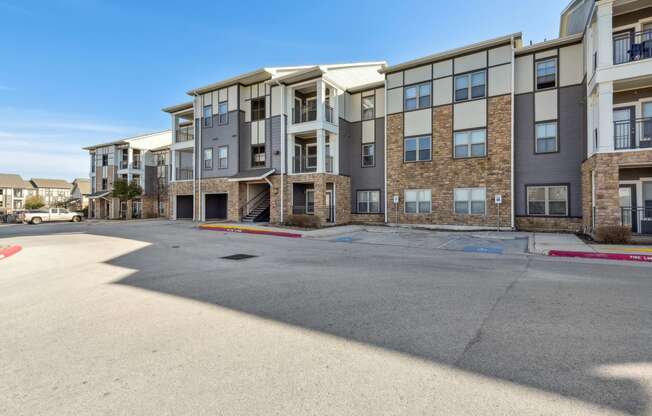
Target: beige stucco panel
[394, 100]
[442, 69]
[524, 76]
[471, 62]
[545, 105]
[418, 122]
[470, 114]
[571, 65]
[419, 74]
[233, 97]
[443, 91]
[380, 102]
[355, 107]
[368, 131]
[500, 55]
[394, 80]
[500, 80]
[277, 103]
[547, 54]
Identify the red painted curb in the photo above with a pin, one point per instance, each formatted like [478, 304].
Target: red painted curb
[249, 231]
[9, 251]
[604, 256]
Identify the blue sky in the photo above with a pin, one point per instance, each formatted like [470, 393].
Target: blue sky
[78, 72]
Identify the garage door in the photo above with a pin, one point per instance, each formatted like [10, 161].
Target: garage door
[184, 207]
[216, 206]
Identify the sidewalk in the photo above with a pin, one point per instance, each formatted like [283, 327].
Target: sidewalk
[569, 245]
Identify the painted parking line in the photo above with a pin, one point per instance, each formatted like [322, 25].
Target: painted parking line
[602, 256]
[479, 249]
[9, 251]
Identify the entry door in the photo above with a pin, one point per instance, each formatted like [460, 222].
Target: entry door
[624, 128]
[311, 156]
[627, 196]
[298, 158]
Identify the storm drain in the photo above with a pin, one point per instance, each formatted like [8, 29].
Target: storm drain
[238, 257]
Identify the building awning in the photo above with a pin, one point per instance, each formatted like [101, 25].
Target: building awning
[98, 194]
[251, 175]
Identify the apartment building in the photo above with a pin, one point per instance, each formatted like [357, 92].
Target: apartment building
[281, 141]
[549, 136]
[13, 193]
[136, 159]
[53, 192]
[79, 194]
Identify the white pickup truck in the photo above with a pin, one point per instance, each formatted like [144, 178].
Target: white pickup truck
[37, 216]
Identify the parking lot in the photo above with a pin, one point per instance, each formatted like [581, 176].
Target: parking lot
[151, 317]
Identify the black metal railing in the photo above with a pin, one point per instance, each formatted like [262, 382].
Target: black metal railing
[183, 174]
[304, 164]
[632, 46]
[124, 164]
[304, 114]
[328, 111]
[136, 164]
[261, 198]
[638, 218]
[633, 134]
[183, 134]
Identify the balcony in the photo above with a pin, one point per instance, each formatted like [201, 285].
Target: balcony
[304, 114]
[633, 134]
[124, 164]
[632, 46]
[184, 134]
[136, 164]
[328, 111]
[183, 174]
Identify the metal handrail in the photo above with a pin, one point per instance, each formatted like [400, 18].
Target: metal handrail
[244, 210]
[329, 113]
[184, 134]
[633, 134]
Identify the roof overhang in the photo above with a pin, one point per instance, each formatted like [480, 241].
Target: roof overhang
[567, 40]
[252, 176]
[179, 107]
[100, 194]
[365, 87]
[252, 77]
[475, 47]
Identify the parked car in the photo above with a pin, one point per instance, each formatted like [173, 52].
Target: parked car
[37, 216]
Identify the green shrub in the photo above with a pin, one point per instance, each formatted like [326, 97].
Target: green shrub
[613, 234]
[303, 221]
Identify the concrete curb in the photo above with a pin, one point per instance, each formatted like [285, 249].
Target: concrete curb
[601, 256]
[9, 251]
[248, 230]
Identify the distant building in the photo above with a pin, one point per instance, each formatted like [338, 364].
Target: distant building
[53, 191]
[13, 192]
[81, 190]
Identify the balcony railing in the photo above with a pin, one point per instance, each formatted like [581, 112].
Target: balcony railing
[329, 164]
[136, 164]
[632, 46]
[633, 134]
[329, 113]
[183, 174]
[183, 134]
[124, 164]
[639, 218]
[303, 114]
[304, 164]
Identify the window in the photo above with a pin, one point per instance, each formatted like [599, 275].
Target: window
[547, 200]
[470, 86]
[368, 201]
[258, 109]
[418, 201]
[105, 160]
[104, 184]
[223, 157]
[310, 201]
[470, 201]
[417, 96]
[547, 73]
[18, 193]
[258, 156]
[546, 137]
[135, 179]
[208, 116]
[161, 208]
[472, 143]
[417, 149]
[208, 158]
[368, 155]
[368, 107]
[223, 112]
[93, 162]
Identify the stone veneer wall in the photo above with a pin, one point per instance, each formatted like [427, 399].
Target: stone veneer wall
[443, 174]
[342, 193]
[235, 190]
[607, 181]
[557, 224]
[368, 218]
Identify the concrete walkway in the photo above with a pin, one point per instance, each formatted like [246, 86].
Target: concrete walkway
[542, 243]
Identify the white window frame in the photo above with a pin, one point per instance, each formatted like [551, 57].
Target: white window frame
[368, 202]
[546, 201]
[418, 96]
[372, 109]
[306, 193]
[418, 154]
[537, 138]
[208, 116]
[223, 113]
[469, 200]
[372, 155]
[421, 195]
[224, 158]
[469, 135]
[208, 150]
[469, 86]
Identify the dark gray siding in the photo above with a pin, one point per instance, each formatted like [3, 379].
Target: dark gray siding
[345, 147]
[151, 181]
[215, 137]
[274, 143]
[370, 178]
[245, 143]
[552, 168]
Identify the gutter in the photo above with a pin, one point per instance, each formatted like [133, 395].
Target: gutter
[283, 147]
[512, 199]
[385, 154]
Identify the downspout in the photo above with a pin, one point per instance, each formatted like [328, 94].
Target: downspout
[283, 149]
[385, 153]
[512, 199]
[194, 164]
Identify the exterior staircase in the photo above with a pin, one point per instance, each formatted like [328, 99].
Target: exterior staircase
[259, 208]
